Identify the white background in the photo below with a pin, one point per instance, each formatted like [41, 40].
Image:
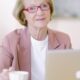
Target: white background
[7, 21]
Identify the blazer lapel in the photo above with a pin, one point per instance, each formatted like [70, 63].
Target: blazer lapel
[53, 42]
[24, 52]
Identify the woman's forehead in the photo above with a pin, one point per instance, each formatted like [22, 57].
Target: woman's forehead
[36, 2]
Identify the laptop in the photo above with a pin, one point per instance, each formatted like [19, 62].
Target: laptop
[63, 65]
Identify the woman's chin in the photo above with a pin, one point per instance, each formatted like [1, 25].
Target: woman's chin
[41, 25]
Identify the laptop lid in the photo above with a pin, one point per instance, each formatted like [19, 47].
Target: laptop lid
[63, 65]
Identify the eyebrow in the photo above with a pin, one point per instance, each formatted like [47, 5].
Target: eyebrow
[33, 4]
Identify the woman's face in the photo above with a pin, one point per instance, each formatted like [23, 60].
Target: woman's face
[37, 12]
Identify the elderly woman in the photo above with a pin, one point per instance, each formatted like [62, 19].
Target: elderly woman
[25, 49]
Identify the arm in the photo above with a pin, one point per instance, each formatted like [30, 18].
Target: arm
[5, 55]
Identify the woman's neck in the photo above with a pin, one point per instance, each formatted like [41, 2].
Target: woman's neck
[38, 33]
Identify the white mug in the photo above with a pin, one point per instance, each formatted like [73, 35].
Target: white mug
[18, 75]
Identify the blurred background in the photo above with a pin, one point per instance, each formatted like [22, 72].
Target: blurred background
[66, 19]
[67, 8]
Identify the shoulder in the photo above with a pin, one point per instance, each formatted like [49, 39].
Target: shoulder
[61, 37]
[12, 38]
[64, 39]
[13, 35]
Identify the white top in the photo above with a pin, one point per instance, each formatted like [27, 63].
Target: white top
[38, 52]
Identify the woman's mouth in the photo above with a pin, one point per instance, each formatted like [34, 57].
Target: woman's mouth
[40, 19]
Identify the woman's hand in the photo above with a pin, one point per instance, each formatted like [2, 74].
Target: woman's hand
[4, 75]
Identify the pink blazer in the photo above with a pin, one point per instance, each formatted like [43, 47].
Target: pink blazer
[15, 50]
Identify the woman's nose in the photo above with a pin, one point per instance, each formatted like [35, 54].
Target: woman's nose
[39, 11]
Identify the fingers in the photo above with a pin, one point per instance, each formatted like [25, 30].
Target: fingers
[4, 75]
[4, 71]
[11, 69]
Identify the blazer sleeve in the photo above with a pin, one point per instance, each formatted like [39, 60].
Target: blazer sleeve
[8, 50]
[5, 54]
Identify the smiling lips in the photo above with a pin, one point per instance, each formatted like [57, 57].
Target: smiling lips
[40, 19]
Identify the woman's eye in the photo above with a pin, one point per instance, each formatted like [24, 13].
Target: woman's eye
[32, 8]
[44, 5]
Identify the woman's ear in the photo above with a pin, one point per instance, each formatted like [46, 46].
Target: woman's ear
[25, 14]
